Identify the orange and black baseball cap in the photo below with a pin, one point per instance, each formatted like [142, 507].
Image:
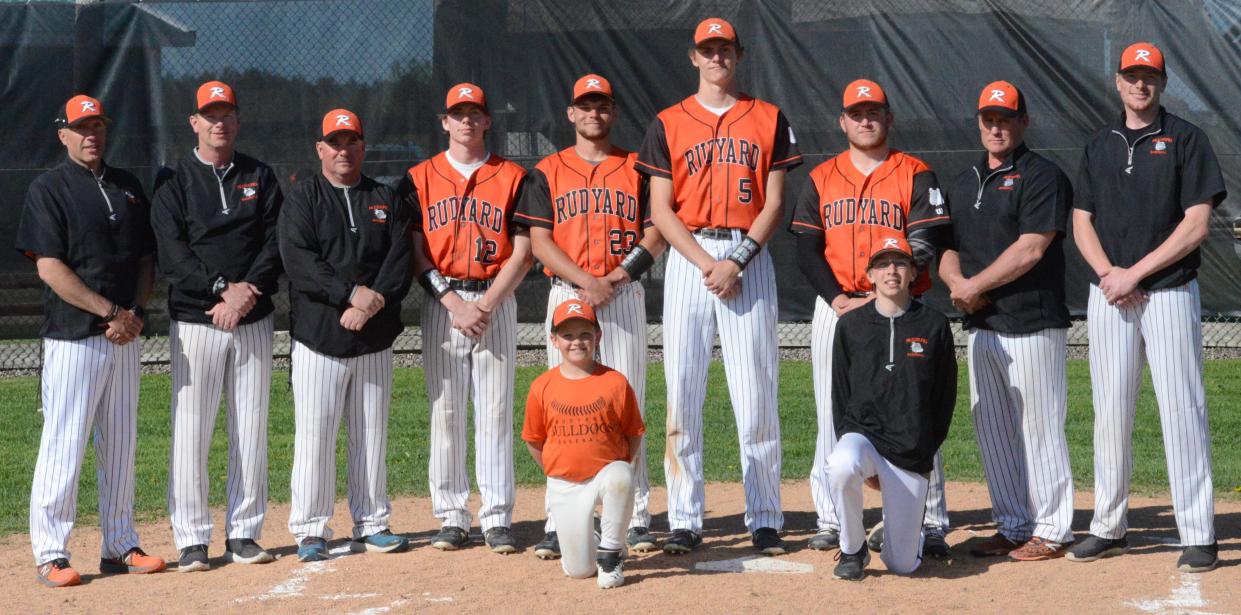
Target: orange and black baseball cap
[712, 28]
[214, 93]
[1141, 55]
[1003, 97]
[592, 84]
[862, 91]
[80, 108]
[571, 309]
[465, 94]
[891, 245]
[341, 120]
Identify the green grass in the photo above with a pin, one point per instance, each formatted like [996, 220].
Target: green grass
[408, 438]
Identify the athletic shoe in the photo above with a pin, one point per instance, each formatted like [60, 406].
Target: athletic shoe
[246, 551]
[135, 561]
[548, 548]
[998, 545]
[193, 559]
[641, 540]
[767, 540]
[58, 573]
[681, 541]
[1038, 549]
[609, 565]
[312, 549]
[874, 540]
[450, 538]
[500, 540]
[1198, 558]
[826, 539]
[934, 545]
[1093, 548]
[379, 542]
[852, 566]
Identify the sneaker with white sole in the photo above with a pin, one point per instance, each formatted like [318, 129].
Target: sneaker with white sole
[246, 551]
[380, 542]
[610, 566]
[193, 559]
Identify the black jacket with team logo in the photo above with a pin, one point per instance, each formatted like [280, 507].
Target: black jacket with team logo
[1138, 192]
[894, 381]
[332, 240]
[98, 227]
[210, 226]
[991, 209]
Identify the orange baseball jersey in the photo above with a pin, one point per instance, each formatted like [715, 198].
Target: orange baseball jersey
[856, 212]
[596, 212]
[718, 164]
[583, 424]
[466, 221]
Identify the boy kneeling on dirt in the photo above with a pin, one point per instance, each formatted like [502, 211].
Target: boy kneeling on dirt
[894, 386]
[583, 428]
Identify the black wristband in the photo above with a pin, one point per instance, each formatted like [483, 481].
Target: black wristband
[112, 313]
[140, 312]
[637, 262]
[745, 252]
[435, 283]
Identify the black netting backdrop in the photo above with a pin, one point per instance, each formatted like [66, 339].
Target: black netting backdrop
[391, 60]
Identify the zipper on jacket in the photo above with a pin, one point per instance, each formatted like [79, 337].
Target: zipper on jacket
[1134, 145]
[106, 200]
[353, 226]
[220, 174]
[982, 183]
[891, 343]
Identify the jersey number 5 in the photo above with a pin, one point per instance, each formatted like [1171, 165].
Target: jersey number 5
[621, 242]
[745, 190]
[485, 250]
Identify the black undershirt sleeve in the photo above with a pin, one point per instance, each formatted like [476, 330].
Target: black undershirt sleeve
[810, 248]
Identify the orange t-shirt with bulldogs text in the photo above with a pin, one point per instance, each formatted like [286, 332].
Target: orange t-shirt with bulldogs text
[583, 424]
[596, 212]
[718, 164]
[466, 222]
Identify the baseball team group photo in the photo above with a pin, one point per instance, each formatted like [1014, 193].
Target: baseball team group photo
[672, 347]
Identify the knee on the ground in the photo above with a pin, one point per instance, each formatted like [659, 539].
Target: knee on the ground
[900, 560]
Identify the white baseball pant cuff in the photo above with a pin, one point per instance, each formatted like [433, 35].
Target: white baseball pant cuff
[855, 459]
[573, 508]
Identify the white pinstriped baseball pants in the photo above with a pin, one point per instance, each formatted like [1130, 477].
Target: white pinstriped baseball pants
[325, 388]
[622, 348]
[90, 388]
[458, 368]
[822, 336]
[1019, 397]
[747, 327]
[207, 361]
[1167, 332]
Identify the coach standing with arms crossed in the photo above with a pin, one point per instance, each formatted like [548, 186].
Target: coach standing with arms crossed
[1148, 182]
[215, 214]
[86, 226]
[1005, 272]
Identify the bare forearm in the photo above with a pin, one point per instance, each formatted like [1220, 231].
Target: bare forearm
[146, 280]
[653, 241]
[69, 287]
[635, 442]
[536, 454]
[510, 275]
[1185, 238]
[1014, 261]
[671, 227]
[1087, 241]
[950, 267]
[554, 259]
[772, 215]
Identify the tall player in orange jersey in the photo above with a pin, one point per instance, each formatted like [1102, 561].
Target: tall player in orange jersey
[717, 162]
[469, 256]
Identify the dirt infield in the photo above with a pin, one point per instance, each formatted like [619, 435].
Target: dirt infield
[722, 576]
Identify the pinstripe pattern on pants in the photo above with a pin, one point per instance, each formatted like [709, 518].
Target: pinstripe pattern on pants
[89, 389]
[1166, 331]
[325, 389]
[1019, 398]
[207, 362]
[458, 369]
[748, 340]
[822, 336]
[622, 348]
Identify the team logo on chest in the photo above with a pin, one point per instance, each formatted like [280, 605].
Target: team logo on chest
[464, 209]
[872, 212]
[1009, 182]
[722, 150]
[379, 213]
[1159, 146]
[598, 201]
[249, 192]
[917, 347]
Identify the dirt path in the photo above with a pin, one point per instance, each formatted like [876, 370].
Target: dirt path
[709, 580]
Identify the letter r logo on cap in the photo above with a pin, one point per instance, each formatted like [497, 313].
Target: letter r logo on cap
[997, 95]
[863, 91]
[714, 28]
[574, 308]
[592, 84]
[87, 106]
[890, 243]
[465, 93]
[217, 92]
[1142, 55]
[343, 120]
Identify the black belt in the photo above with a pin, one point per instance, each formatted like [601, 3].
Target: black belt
[559, 280]
[469, 286]
[857, 294]
[717, 233]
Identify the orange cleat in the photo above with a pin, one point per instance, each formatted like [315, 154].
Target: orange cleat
[135, 561]
[58, 573]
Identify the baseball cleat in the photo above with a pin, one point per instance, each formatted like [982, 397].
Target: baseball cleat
[641, 540]
[193, 559]
[997, 545]
[824, 540]
[767, 540]
[934, 545]
[380, 542]
[874, 540]
[58, 573]
[609, 565]
[681, 541]
[852, 566]
[450, 538]
[135, 561]
[500, 540]
[246, 551]
[1198, 558]
[1038, 549]
[548, 548]
[1093, 548]
[312, 549]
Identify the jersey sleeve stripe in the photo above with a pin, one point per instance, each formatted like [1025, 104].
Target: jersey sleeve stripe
[806, 228]
[787, 162]
[530, 217]
[940, 219]
[652, 170]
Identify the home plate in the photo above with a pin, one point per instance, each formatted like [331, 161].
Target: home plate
[755, 563]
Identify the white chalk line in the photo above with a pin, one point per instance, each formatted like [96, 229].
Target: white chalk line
[1185, 600]
[755, 563]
